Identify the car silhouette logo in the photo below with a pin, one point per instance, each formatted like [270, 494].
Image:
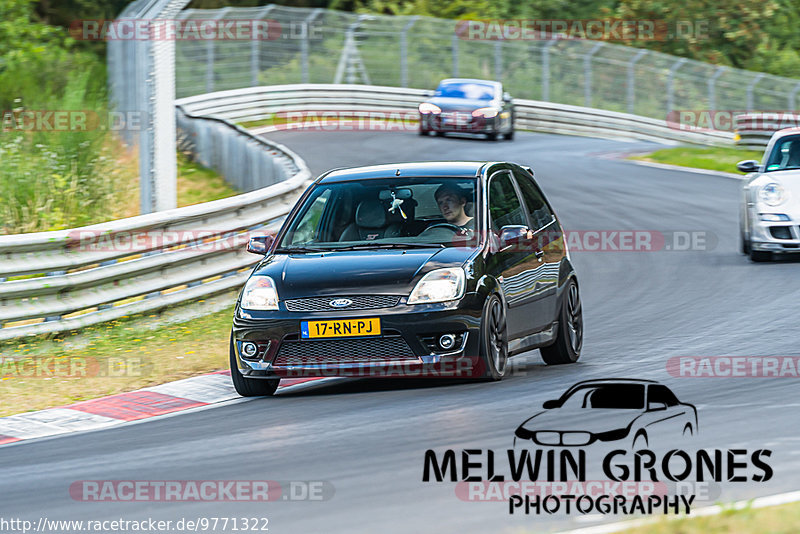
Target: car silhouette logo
[340, 303]
[641, 412]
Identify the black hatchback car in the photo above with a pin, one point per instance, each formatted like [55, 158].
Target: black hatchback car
[410, 269]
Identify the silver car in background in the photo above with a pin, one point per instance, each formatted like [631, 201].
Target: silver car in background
[770, 208]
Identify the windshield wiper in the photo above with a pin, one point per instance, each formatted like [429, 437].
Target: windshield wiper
[368, 246]
[303, 249]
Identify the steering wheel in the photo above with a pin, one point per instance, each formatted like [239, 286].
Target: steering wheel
[455, 228]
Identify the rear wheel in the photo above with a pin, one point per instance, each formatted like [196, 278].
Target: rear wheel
[569, 339]
[423, 132]
[250, 387]
[494, 339]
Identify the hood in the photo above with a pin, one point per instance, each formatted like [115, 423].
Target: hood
[460, 104]
[583, 420]
[356, 272]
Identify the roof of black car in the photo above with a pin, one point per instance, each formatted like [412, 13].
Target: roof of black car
[460, 169]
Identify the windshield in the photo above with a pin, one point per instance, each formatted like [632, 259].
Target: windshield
[390, 212]
[785, 154]
[617, 396]
[470, 90]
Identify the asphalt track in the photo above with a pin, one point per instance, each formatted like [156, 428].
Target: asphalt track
[367, 438]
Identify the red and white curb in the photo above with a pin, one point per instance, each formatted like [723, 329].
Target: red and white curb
[117, 409]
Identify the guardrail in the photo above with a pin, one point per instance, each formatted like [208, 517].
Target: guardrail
[261, 103]
[756, 129]
[69, 279]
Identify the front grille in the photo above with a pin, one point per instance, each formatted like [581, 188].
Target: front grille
[360, 302]
[337, 351]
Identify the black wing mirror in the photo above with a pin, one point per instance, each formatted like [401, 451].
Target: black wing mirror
[748, 165]
[549, 405]
[260, 244]
[506, 97]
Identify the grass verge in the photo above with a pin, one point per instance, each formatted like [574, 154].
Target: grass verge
[783, 519]
[196, 184]
[711, 158]
[110, 358]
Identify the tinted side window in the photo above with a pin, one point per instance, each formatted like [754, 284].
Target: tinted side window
[662, 394]
[539, 213]
[504, 206]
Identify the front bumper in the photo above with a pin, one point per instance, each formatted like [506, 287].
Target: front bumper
[406, 346]
[463, 123]
[780, 237]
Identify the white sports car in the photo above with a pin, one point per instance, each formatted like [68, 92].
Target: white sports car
[770, 210]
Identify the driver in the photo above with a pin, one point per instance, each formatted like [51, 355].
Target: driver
[451, 200]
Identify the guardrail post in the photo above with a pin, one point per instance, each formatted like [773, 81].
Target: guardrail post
[498, 61]
[793, 96]
[304, 45]
[750, 88]
[587, 74]
[631, 96]
[404, 52]
[671, 83]
[712, 92]
[255, 49]
[210, 56]
[454, 47]
[546, 68]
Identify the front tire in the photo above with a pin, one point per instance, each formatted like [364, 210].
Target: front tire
[759, 256]
[250, 387]
[494, 340]
[569, 339]
[491, 136]
[509, 136]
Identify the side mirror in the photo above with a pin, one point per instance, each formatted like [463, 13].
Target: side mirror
[260, 244]
[506, 97]
[549, 405]
[656, 406]
[512, 234]
[748, 165]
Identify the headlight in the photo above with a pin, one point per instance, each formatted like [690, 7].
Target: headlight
[427, 107]
[486, 113]
[773, 217]
[260, 294]
[772, 194]
[440, 285]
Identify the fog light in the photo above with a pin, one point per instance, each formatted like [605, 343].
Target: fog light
[447, 341]
[249, 349]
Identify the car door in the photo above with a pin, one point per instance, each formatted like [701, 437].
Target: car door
[547, 245]
[516, 267]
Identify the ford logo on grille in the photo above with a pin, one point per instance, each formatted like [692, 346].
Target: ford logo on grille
[340, 303]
